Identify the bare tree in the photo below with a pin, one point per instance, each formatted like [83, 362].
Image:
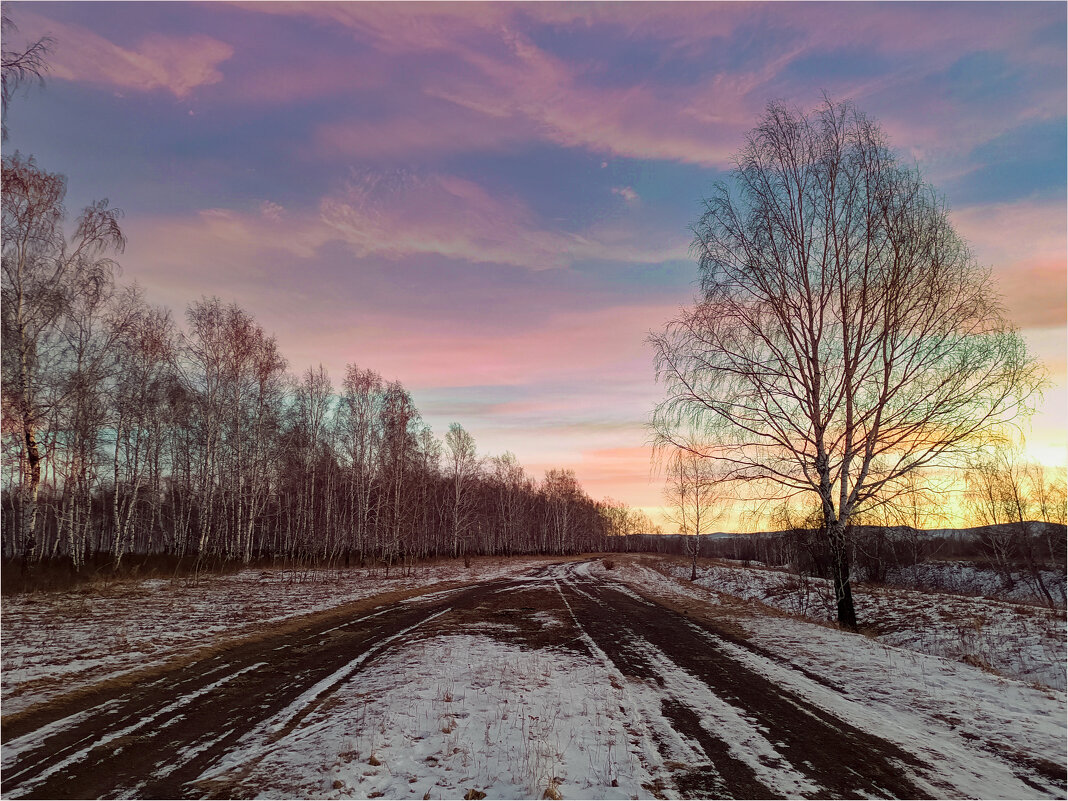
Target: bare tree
[1006, 495]
[145, 356]
[429, 452]
[463, 466]
[91, 329]
[310, 412]
[844, 336]
[399, 459]
[44, 276]
[20, 66]
[693, 497]
[513, 491]
[562, 493]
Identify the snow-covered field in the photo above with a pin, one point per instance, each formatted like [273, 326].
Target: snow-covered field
[1016, 640]
[440, 717]
[444, 716]
[52, 643]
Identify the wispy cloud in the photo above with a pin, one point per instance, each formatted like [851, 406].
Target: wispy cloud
[573, 348]
[492, 85]
[426, 127]
[403, 213]
[176, 64]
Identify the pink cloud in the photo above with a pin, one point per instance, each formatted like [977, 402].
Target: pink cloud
[511, 90]
[1025, 243]
[473, 116]
[228, 231]
[504, 88]
[217, 251]
[177, 64]
[314, 74]
[584, 347]
[399, 27]
[639, 121]
[933, 30]
[402, 213]
[380, 215]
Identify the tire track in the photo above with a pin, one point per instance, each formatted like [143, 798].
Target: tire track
[840, 759]
[154, 739]
[721, 729]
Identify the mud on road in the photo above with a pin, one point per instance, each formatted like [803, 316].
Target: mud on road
[157, 739]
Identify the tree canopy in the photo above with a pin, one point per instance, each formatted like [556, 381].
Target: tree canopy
[844, 334]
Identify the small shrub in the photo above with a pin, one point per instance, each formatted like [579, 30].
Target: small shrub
[976, 661]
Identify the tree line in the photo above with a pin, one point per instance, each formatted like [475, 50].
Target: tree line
[124, 433]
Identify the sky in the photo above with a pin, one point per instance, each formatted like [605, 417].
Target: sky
[491, 202]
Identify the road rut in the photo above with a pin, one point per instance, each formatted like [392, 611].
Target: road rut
[156, 739]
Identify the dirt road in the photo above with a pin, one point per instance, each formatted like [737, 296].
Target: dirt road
[157, 739]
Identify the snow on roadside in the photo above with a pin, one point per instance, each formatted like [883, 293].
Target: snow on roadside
[1016, 640]
[983, 732]
[166, 713]
[977, 730]
[54, 642]
[437, 717]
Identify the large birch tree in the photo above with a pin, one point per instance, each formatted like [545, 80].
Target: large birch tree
[844, 335]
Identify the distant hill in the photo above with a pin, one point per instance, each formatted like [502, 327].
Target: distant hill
[1035, 527]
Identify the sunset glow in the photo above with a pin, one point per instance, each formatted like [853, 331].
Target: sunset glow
[491, 203]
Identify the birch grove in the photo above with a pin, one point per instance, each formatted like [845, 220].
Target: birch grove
[126, 434]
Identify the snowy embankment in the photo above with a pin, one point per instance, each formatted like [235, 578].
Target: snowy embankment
[1016, 640]
[968, 578]
[55, 642]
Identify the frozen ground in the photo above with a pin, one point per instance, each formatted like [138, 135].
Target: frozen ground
[470, 713]
[562, 682]
[1017, 640]
[55, 642]
[937, 708]
[442, 716]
